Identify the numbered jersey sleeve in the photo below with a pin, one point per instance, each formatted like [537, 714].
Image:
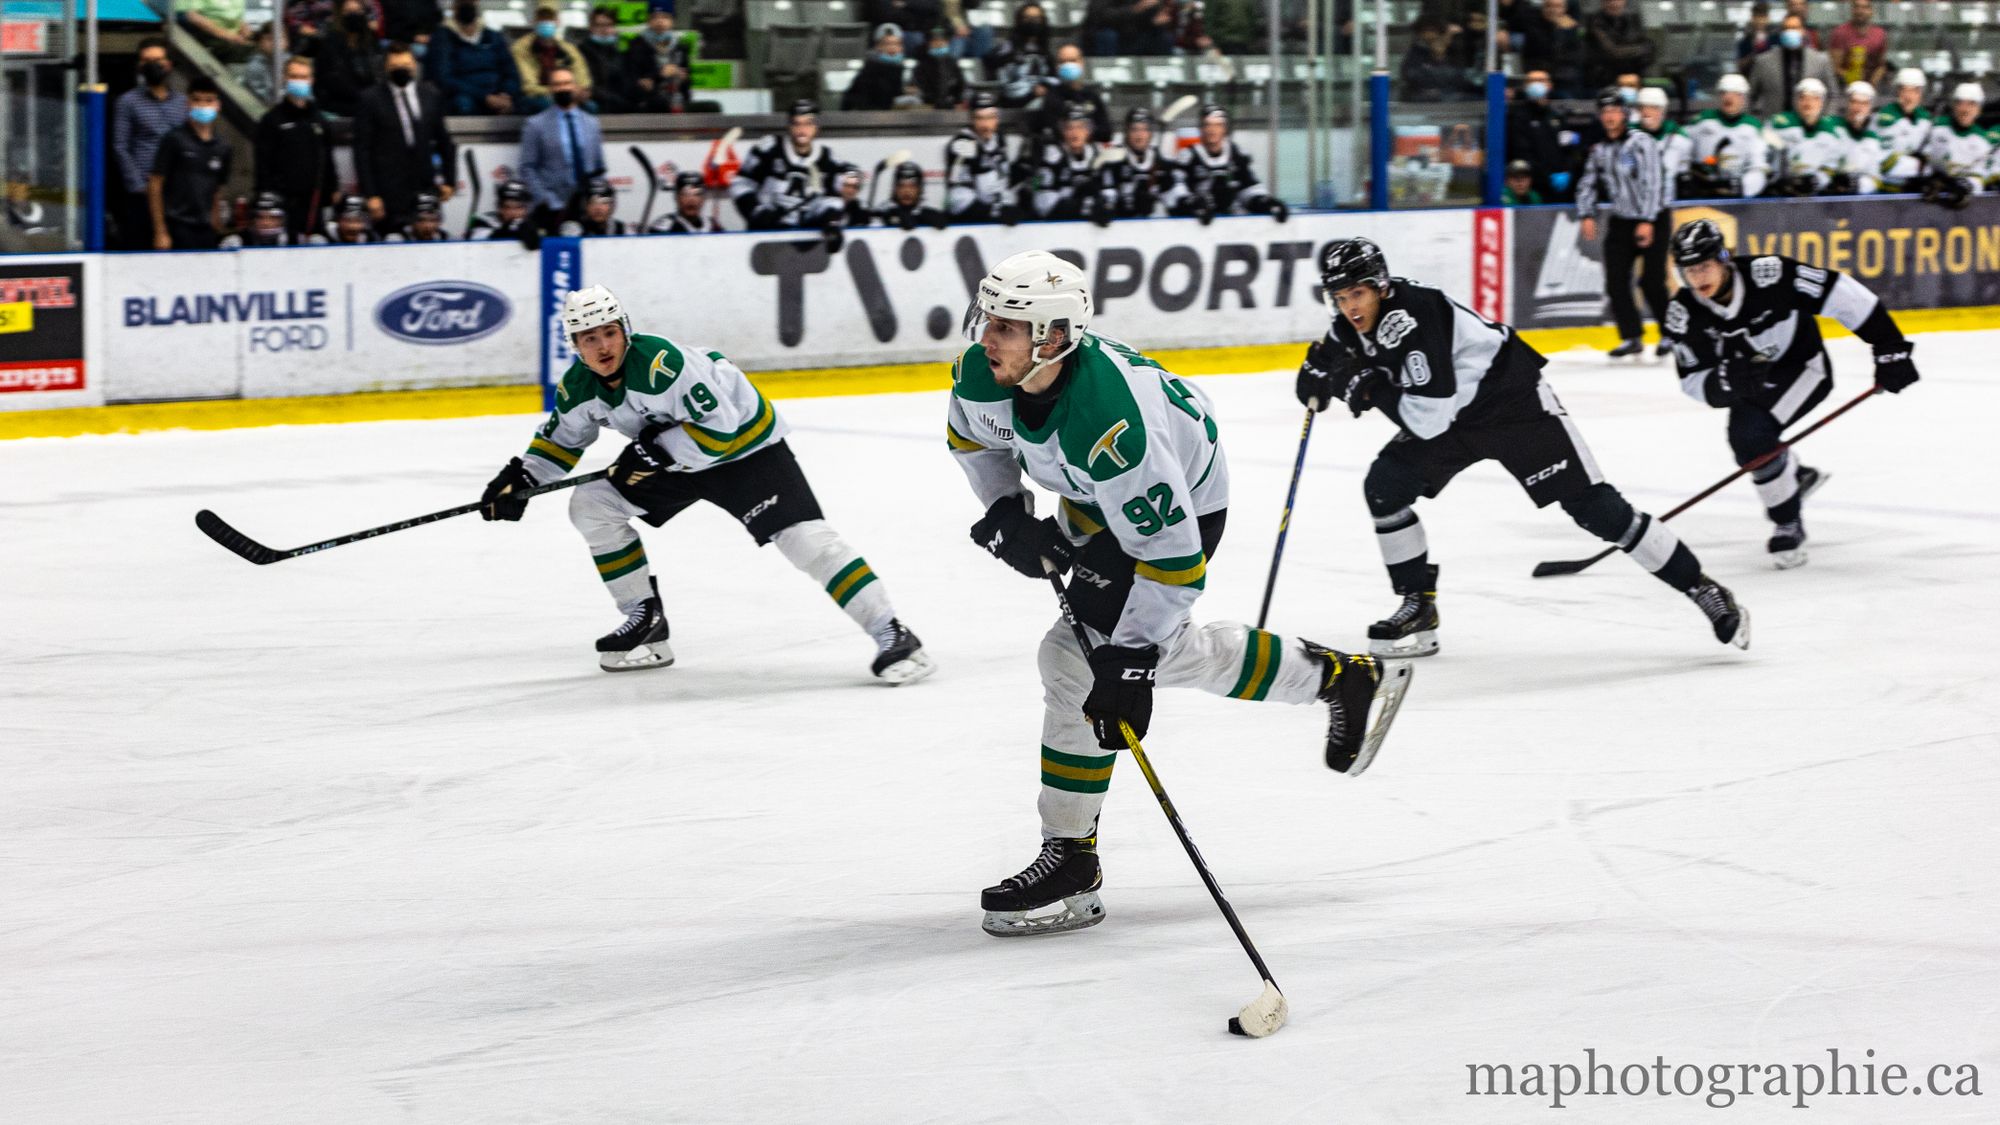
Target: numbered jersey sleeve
[987, 459]
[570, 429]
[1695, 354]
[722, 415]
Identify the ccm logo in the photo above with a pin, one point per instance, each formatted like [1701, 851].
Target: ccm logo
[1136, 674]
[1545, 474]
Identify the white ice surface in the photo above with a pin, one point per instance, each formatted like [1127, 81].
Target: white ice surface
[366, 837]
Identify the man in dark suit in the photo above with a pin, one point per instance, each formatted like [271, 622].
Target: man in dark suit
[561, 149]
[401, 145]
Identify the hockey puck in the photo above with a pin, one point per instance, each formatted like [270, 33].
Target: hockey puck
[1236, 1027]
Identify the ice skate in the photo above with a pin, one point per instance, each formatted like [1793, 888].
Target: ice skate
[1663, 350]
[1355, 686]
[1409, 632]
[900, 657]
[641, 642]
[1788, 545]
[1731, 621]
[1064, 877]
[1629, 349]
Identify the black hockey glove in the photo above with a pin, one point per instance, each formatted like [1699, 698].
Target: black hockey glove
[1010, 532]
[1279, 211]
[1121, 688]
[512, 477]
[1359, 387]
[1322, 374]
[1893, 369]
[641, 459]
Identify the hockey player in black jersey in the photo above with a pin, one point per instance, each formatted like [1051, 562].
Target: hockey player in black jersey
[1744, 338]
[906, 208]
[512, 217]
[792, 182]
[1218, 177]
[600, 199]
[352, 225]
[1135, 186]
[426, 222]
[1462, 390]
[267, 227]
[690, 194]
[978, 183]
[1065, 171]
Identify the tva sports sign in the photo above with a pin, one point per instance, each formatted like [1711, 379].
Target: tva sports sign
[443, 312]
[895, 297]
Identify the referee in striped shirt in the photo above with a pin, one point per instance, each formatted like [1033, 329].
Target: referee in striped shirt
[1626, 174]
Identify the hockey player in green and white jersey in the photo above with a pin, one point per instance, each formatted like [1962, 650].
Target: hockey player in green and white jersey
[1676, 149]
[1135, 460]
[1810, 149]
[1861, 167]
[1958, 154]
[700, 430]
[1730, 159]
[1903, 126]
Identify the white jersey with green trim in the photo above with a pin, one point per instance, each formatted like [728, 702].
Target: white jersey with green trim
[1815, 153]
[1730, 149]
[1128, 446]
[1903, 135]
[713, 412]
[1676, 151]
[1962, 151]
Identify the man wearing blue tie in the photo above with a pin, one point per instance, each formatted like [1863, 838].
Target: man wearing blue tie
[561, 149]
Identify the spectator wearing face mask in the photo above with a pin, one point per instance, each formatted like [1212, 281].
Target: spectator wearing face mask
[939, 81]
[562, 149]
[1536, 134]
[911, 17]
[604, 54]
[657, 68]
[1798, 8]
[402, 148]
[472, 65]
[346, 60]
[294, 151]
[187, 175]
[1776, 75]
[1070, 89]
[142, 116]
[884, 74]
[1021, 62]
[539, 54]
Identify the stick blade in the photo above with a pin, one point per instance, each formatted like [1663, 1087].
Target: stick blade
[1559, 568]
[233, 540]
[1263, 1016]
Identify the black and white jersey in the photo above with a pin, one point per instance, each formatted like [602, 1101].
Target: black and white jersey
[1135, 186]
[910, 218]
[977, 174]
[1065, 181]
[410, 234]
[364, 238]
[584, 228]
[1764, 332]
[777, 177]
[489, 225]
[1446, 365]
[676, 223]
[1223, 178]
[253, 239]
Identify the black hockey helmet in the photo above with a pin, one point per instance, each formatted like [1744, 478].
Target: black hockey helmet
[686, 180]
[427, 205]
[1139, 115]
[1609, 99]
[1078, 111]
[350, 205]
[909, 170]
[804, 107]
[1520, 168]
[1213, 111]
[1347, 262]
[599, 188]
[514, 191]
[982, 99]
[267, 202]
[1697, 242]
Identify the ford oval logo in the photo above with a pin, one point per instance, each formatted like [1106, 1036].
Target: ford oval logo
[443, 312]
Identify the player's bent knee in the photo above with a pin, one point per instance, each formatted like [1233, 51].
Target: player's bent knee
[1390, 488]
[1600, 510]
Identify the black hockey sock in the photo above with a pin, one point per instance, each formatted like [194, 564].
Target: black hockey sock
[1778, 486]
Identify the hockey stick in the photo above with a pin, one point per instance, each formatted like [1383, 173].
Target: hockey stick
[652, 185]
[217, 529]
[1177, 107]
[1572, 566]
[718, 151]
[1285, 520]
[472, 181]
[894, 159]
[1266, 1014]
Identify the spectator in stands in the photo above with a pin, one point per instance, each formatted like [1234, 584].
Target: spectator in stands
[254, 72]
[347, 60]
[1776, 75]
[1859, 48]
[1132, 27]
[1430, 74]
[1071, 89]
[1798, 8]
[1020, 63]
[656, 64]
[1520, 190]
[542, 52]
[219, 25]
[144, 114]
[1555, 45]
[605, 57]
[402, 148]
[1757, 37]
[187, 175]
[412, 22]
[938, 79]
[1536, 134]
[884, 77]
[1468, 43]
[472, 66]
[562, 148]
[293, 151]
[306, 19]
[911, 16]
[1618, 42]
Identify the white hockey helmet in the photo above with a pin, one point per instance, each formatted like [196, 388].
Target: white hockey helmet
[1969, 92]
[1037, 287]
[1912, 77]
[1732, 84]
[591, 307]
[1652, 96]
[1862, 90]
[1811, 86]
